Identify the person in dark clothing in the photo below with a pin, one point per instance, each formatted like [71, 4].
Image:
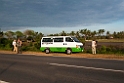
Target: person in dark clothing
[19, 46]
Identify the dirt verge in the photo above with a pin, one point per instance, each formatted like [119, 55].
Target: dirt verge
[74, 55]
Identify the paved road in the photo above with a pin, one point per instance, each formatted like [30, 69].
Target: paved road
[42, 69]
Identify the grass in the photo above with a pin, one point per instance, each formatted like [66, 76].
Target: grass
[110, 40]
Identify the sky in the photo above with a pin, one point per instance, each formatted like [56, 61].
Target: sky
[54, 16]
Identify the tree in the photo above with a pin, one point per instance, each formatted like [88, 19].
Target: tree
[83, 32]
[93, 34]
[77, 34]
[120, 34]
[86, 33]
[29, 32]
[63, 33]
[38, 36]
[1, 33]
[19, 34]
[100, 32]
[107, 34]
[56, 34]
[114, 34]
[9, 34]
[72, 33]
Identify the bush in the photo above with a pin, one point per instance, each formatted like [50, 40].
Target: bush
[37, 45]
[32, 46]
[103, 49]
[110, 50]
[25, 48]
[5, 44]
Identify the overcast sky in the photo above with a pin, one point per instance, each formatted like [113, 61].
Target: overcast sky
[54, 16]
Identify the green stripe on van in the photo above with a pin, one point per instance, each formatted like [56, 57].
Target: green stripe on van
[61, 49]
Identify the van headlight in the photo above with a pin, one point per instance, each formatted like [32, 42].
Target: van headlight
[77, 46]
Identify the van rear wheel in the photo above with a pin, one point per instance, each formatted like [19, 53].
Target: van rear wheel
[47, 51]
[68, 51]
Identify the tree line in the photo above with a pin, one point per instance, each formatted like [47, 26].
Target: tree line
[83, 33]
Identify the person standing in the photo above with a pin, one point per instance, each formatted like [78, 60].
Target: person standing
[93, 47]
[19, 46]
[14, 46]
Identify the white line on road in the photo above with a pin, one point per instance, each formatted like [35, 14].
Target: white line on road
[85, 67]
[3, 81]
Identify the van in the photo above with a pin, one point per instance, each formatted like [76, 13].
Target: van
[67, 44]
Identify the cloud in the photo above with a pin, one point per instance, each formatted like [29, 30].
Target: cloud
[59, 13]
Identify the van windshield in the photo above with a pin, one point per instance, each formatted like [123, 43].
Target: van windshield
[75, 39]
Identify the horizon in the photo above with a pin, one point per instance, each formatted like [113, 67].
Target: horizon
[104, 33]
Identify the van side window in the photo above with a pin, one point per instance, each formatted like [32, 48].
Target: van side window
[68, 39]
[47, 40]
[58, 39]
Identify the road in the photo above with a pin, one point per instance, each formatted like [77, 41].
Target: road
[47, 69]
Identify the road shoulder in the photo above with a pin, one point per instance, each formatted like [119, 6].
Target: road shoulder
[74, 55]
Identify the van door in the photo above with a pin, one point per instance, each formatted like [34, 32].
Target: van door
[58, 44]
[69, 42]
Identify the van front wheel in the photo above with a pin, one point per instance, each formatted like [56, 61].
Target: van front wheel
[68, 51]
[47, 51]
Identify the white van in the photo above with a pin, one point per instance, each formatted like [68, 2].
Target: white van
[66, 44]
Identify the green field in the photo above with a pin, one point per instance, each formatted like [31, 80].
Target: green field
[110, 40]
